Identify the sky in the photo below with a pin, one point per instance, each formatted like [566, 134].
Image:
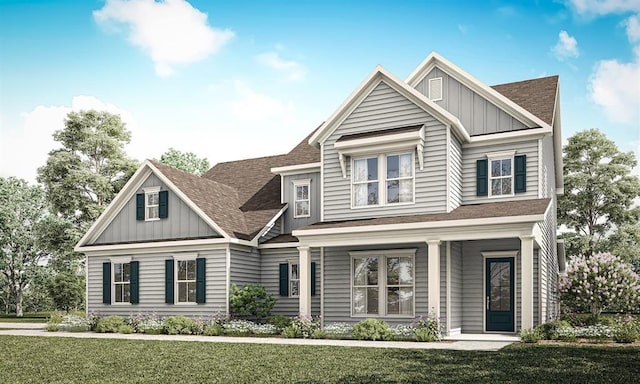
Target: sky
[229, 80]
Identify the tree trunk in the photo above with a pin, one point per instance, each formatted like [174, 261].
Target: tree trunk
[19, 303]
[596, 310]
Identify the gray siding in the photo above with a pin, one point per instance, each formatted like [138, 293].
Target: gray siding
[152, 287]
[548, 287]
[478, 115]
[455, 173]
[273, 232]
[292, 223]
[385, 108]
[456, 285]
[270, 260]
[471, 154]
[548, 177]
[245, 266]
[443, 283]
[337, 284]
[181, 223]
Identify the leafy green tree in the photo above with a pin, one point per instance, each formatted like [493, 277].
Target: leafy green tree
[67, 291]
[83, 176]
[186, 161]
[22, 213]
[599, 190]
[625, 243]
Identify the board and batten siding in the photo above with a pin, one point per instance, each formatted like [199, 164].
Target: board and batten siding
[270, 279]
[384, 108]
[471, 154]
[245, 266]
[455, 173]
[337, 284]
[182, 222]
[292, 223]
[152, 287]
[478, 115]
[456, 286]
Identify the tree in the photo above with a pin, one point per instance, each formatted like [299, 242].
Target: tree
[600, 281]
[83, 176]
[599, 192]
[67, 291]
[186, 161]
[22, 213]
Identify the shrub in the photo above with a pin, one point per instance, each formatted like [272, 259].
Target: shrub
[213, 329]
[625, 333]
[109, 324]
[427, 328]
[125, 328]
[251, 300]
[53, 327]
[372, 329]
[301, 327]
[74, 323]
[566, 334]
[549, 331]
[151, 325]
[338, 330]
[531, 335]
[280, 322]
[238, 328]
[67, 290]
[403, 332]
[319, 334]
[56, 318]
[597, 331]
[180, 325]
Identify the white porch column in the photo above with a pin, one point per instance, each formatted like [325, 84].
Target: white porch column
[434, 277]
[305, 281]
[526, 281]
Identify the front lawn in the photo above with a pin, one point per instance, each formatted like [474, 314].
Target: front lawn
[66, 360]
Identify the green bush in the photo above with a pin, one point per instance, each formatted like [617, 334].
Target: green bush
[427, 328]
[531, 335]
[125, 329]
[549, 331]
[626, 333]
[301, 327]
[280, 322]
[213, 329]
[251, 301]
[425, 335]
[56, 318]
[53, 327]
[109, 324]
[567, 334]
[180, 325]
[372, 329]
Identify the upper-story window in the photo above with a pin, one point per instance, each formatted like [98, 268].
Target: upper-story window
[501, 176]
[383, 180]
[302, 198]
[151, 203]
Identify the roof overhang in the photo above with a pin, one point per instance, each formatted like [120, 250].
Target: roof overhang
[269, 225]
[159, 247]
[296, 169]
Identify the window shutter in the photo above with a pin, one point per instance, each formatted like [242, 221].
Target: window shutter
[106, 283]
[284, 279]
[482, 179]
[520, 174]
[163, 204]
[140, 206]
[201, 286]
[168, 281]
[313, 279]
[134, 283]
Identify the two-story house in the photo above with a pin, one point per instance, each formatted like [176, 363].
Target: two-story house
[434, 194]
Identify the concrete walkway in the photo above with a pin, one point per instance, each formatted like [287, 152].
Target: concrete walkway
[460, 345]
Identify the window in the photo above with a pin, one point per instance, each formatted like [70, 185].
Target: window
[186, 281]
[383, 283]
[391, 185]
[435, 89]
[302, 198]
[500, 177]
[122, 282]
[151, 204]
[294, 280]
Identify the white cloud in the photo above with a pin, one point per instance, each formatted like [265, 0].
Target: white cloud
[250, 105]
[633, 28]
[615, 87]
[603, 7]
[26, 148]
[172, 32]
[293, 70]
[566, 47]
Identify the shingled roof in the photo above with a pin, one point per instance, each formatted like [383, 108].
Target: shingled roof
[537, 96]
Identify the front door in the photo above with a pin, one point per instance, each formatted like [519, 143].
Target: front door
[499, 305]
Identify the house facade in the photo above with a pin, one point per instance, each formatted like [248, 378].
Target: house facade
[434, 194]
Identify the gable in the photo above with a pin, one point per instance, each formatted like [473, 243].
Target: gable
[477, 114]
[182, 222]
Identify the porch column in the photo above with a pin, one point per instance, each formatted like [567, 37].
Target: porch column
[434, 277]
[526, 281]
[305, 281]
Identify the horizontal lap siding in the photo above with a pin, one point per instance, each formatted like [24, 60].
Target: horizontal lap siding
[292, 223]
[152, 287]
[270, 279]
[182, 221]
[471, 154]
[273, 232]
[455, 173]
[456, 285]
[383, 109]
[245, 266]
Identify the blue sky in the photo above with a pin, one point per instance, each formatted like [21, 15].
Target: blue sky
[231, 80]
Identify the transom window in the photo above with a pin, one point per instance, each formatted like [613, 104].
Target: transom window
[122, 282]
[186, 281]
[501, 177]
[151, 203]
[294, 280]
[383, 283]
[390, 183]
[302, 198]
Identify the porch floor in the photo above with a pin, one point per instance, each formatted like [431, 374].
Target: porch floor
[506, 337]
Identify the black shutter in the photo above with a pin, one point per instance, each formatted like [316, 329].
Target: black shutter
[168, 281]
[163, 204]
[520, 174]
[313, 279]
[482, 179]
[201, 286]
[106, 283]
[284, 279]
[134, 282]
[140, 206]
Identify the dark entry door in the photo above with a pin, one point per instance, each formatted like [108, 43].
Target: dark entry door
[499, 303]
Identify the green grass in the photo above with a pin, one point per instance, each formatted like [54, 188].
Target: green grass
[29, 317]
[67, 360]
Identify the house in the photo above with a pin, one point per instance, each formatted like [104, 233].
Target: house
[433, 194]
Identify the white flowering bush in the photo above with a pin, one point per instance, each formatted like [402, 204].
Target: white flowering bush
[264, 329]
[403, 331]
[601, 281]
[338, 330]
[74, 323]
[302, 327]
[238, 328]
[597, 331]
[149, 324]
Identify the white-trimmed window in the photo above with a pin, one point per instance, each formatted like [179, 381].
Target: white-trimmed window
[501, 173]
[186, 281]
[383, 283]
[383, 180]
[151, 203]
[294, 279]
[302, 198]
[122, 282]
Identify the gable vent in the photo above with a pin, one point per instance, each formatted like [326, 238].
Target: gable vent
[435, 89]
